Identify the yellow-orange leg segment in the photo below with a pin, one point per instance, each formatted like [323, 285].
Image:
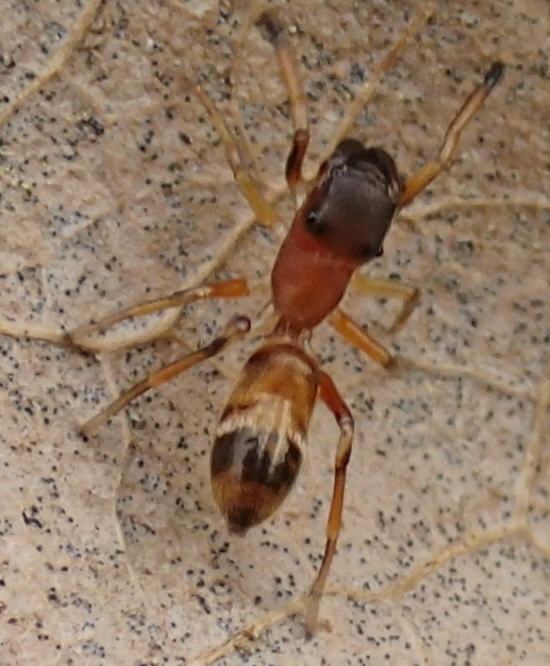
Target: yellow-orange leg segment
[408, 294]
[363, 95]
[235, 328]
[330, 396]
[274, 32]
[424, 176]
[345, 325]
[233, 288]
[249, 187]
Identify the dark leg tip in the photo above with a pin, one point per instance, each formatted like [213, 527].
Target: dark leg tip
[270, 26]
[494, 75]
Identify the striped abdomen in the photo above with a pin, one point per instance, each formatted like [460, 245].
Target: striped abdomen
[262, 434]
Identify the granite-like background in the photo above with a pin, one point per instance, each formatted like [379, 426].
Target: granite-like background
[114, 188]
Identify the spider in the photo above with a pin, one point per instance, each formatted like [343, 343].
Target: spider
[340, 224]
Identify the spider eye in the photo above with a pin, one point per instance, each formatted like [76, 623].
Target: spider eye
[369, 252]
[314, 223]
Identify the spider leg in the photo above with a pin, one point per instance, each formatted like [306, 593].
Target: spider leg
[330, 396]
[427, 172]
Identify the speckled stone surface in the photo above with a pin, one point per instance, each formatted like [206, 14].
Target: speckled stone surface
[114, 188]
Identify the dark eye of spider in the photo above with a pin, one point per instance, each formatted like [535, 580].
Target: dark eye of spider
[313, 223]
[370, 253]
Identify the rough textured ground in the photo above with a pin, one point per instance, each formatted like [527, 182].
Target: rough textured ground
[114, 187]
